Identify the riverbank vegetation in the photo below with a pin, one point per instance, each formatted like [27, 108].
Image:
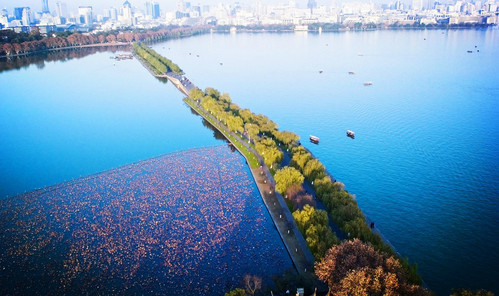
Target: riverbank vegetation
[12, 43]
[314, 224]
[156, 62]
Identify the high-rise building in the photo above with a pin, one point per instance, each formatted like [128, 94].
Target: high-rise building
[85, 15]
[62, 9]
[149, 8]
[417, 5]
[311, 4]
[181, 6]
[26, 18]
[156, 13]
[45, 6]
[112, 14]
[18, 13]
[127, 13]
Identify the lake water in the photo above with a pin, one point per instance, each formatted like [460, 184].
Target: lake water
[189, 222]
[424, 164]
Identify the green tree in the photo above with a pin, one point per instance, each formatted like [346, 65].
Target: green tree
[212, 92]
[314, 169]
[246, 115]
[235, 123]
[286, 177]
[300, 157]
[252, 129]
[289, 139]
[196, 93]
[226, 98]
[319, 239]
[269, 151]
[314, 225]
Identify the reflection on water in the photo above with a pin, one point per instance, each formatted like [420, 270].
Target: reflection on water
[18, 62]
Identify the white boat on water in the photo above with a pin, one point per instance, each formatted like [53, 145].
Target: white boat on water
[314, 139]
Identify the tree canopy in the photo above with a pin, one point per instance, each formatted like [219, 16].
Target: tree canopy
[355, 268]
[270, 153]
[314, 225]
[286, 177]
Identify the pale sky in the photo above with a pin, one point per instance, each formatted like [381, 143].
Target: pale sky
[168, 5]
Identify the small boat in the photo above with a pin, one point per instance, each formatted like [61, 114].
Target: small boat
[360, 55]
[351, 72]
[470, 51]
[314, 139]
[320, 71]
[368, 83]
[350, 134]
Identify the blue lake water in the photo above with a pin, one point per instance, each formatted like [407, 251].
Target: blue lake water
[189, 222]
[82, 116]
[424, 164]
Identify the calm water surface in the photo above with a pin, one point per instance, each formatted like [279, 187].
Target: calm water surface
[424, 164]
[82, 116]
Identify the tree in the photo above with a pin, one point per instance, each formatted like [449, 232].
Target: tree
[298, 197]
[300, 157]
[17, 48]
[286, 177]
[226, 98]
[270, 153]
[212, 92]
[236, 292]
[235, 123]
[196, 93]
[314, 169]
[355, 268]
[314, 225]
[252, 283]
[8, 48]
[319, 239]
[287, 138]
[246, 115]
[252, 130]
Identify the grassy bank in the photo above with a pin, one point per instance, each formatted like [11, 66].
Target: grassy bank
[157, 63]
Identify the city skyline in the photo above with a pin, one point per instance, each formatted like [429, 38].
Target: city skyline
[166, 5]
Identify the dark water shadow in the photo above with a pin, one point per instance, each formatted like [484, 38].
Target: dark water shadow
[39, 59]
[216, 133]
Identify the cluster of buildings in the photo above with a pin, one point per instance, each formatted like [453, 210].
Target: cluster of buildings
[299, 13]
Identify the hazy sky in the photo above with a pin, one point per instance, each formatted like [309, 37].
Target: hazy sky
[99, 5]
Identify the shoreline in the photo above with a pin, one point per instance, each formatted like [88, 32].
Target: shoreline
[65, 48]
